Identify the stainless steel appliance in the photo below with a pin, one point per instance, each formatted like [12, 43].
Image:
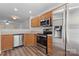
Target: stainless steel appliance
[47, 31]
[46, 22]
[42, 42]
[58, 31]
[18, 40]
[42, 39]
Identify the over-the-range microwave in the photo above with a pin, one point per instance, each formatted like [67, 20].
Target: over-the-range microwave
[44, 22]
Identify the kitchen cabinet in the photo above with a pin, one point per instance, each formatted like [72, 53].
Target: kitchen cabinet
[46, 18]
[35, 22]
[49, 45]
[6, 42]
[46, 15]
[29, 39]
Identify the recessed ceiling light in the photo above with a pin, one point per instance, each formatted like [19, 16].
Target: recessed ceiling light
[15, 9]
[14, 17]
[30, 12]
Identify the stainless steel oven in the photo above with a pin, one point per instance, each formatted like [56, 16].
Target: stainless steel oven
[42, 39]
[42, 42]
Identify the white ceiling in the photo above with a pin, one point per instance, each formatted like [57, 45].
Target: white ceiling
[7, 10]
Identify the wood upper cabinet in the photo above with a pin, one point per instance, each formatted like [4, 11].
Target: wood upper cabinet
[35, 22]
[29, 39]
[46, 15]
[6, 42]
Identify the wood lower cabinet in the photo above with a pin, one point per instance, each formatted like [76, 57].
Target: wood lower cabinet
[29, 39]
[6, 42]
[49, 45]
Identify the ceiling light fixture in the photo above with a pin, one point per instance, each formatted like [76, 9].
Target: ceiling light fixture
[14, 17]
[15, 9]
[30, 12]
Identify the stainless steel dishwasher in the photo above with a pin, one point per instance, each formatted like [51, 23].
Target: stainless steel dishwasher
[18, 40]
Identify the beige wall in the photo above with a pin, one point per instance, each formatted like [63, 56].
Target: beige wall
[3, 26]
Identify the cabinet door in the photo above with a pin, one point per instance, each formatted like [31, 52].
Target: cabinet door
[29, 40]
[35, 22]
[6, 42]
[46, 15]
[49, 45]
